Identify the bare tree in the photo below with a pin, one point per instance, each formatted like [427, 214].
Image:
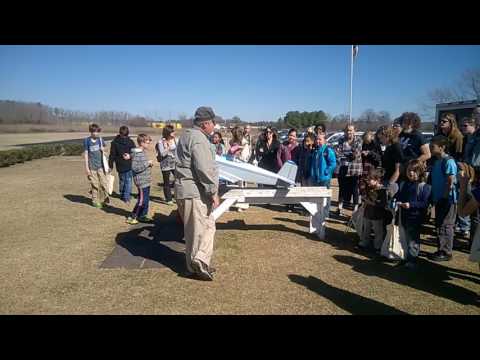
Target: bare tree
[470, 84]
[368, 116]
[466, 88]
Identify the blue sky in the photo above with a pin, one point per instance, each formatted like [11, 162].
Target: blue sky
[252, 82]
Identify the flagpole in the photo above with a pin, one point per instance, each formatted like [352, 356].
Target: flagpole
[351, 84]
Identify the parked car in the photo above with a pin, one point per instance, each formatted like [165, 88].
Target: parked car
[428, 136]
[282, 135]
[333, 139]
[301, 136]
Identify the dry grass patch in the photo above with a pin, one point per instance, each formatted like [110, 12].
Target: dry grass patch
[52, 246]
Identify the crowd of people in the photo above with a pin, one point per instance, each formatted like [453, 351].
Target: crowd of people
[391, 175]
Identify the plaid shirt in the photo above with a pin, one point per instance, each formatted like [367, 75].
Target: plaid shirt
[354, 164]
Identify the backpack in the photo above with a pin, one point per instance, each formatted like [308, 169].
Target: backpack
[443, 167]
[160, 158]
[474, 153]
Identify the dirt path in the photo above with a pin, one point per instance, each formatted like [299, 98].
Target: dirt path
[52, 244]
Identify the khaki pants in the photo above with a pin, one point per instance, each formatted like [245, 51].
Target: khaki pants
[199, 229]
[98, 182]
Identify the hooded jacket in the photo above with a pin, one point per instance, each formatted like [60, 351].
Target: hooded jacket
[119, 146]
[142, 173]
[323, 164]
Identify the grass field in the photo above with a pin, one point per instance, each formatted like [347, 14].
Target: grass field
[53, 242]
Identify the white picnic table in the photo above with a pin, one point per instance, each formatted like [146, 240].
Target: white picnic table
[313, 199]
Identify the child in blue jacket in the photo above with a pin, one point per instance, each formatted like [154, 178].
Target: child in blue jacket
[323, 164]
[413, 198]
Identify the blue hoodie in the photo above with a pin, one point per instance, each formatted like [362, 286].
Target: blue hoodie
[323, 164]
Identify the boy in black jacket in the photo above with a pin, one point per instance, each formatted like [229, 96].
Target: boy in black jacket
[120, 155]
[376, 213]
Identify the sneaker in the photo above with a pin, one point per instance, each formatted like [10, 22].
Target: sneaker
[131, 221]
[410, 265]
[362, 246]
[441, 256]
[97, 205]
[466, 234]
[170, 202]
[145, 219]
[201, 270]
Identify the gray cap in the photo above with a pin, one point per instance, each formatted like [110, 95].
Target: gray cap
[204, 113]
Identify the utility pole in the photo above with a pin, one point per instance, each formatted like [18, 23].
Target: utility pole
[354, 53]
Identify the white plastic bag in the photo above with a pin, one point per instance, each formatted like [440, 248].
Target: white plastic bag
[106, 168]
[475, 250]
[357, 219]
[394, 246]
[110, 182]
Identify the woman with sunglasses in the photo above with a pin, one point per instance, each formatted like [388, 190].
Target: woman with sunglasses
[448, 127]
[266, 150]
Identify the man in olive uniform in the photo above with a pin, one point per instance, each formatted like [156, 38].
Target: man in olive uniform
[196, 192]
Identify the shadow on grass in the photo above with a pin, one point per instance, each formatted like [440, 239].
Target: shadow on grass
[304, 223]
[80, 199]
[240, 225]
[157, 199]
[428, 277]
[348, 301]
[460, 243]
[345, 241]
[160, 200]
[273, 207]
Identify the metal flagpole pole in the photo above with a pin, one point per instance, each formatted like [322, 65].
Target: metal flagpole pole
[351, 84]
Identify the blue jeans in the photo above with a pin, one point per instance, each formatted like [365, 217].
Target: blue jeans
[463, 223]
[326, 183]
[125, 185]
[141, 207]
[412, 233]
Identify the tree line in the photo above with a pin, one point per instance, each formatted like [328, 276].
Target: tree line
[19, 112]
[368, 120]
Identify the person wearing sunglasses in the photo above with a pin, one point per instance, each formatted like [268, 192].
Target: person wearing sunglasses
[397, 126]
[266, 150]
[448, 127]
[468, 129]
[471, 157]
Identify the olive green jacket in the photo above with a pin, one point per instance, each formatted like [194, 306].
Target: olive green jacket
[196, 172]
